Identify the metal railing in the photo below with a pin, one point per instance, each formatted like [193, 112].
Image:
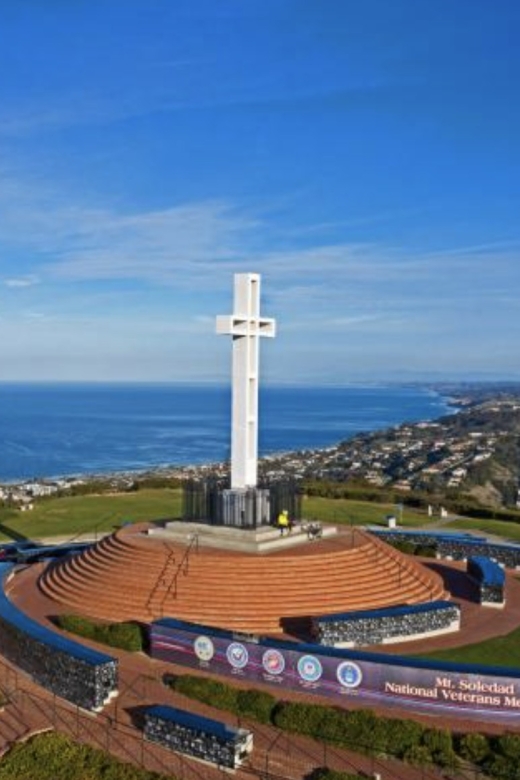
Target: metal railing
[163, 583]
[277, 755]
[184, 565]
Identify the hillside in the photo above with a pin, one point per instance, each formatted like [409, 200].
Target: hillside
[474, 452]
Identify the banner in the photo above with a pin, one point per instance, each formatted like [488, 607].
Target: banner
[344, 675]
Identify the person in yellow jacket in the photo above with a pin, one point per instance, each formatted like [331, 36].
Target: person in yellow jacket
[283, 522]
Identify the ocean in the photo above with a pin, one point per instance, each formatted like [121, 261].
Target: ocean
[51, 430]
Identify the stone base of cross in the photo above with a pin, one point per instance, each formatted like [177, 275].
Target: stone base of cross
[213, 502]
[246, 508]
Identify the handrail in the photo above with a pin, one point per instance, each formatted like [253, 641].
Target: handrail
[423, 578]
[170, 587]
[183, 567]
[161, 579]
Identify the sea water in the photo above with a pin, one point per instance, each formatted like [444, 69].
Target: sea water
[51, 430]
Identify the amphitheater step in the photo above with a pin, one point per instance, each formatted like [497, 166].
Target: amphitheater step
[131, 574]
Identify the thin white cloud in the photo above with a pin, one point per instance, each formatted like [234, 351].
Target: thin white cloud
[22, 281]
[164, 246]
[474, 248]
[192, 85]
[34, 315]
[354, 320]
[99, 244]
[195, 248]
[94, 107]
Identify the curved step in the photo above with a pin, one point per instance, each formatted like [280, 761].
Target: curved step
[128, 575]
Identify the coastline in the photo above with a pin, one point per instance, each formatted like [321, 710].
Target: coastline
[449, 405]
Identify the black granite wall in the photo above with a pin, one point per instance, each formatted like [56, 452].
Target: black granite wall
[196, 741]
[85, 684]
[375, 630]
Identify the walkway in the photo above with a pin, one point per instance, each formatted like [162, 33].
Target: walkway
[275, 755]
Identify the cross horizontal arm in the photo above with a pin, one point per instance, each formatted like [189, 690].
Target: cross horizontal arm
[232, 325]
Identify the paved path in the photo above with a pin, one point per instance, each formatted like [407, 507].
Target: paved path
[477, 622]
[141, 682]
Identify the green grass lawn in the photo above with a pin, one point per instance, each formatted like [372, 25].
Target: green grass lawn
[69, 516]
[506, 530]
[81, 514]
[342, 510]
[498, 651]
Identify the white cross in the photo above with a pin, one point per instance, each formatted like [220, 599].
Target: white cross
[246, 326]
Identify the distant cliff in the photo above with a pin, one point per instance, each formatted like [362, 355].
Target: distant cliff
[474, 453]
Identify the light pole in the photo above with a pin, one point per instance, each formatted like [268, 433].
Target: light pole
[399, 508]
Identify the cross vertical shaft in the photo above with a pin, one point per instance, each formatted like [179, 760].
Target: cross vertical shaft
[246, 326]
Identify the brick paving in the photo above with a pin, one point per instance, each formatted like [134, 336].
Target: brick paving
[477, 623]
[141, 682]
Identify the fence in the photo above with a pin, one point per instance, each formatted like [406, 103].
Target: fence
[277, 755]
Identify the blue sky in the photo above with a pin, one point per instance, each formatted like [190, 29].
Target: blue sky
[364, 157]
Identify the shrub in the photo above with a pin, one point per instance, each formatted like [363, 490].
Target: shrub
[126, 636]
[426, 550]
[249, 703]
[419, 755]
[208, 691]
[508, 745]
[502, 768]
[333, 725]
[440, 745]
[76, 625]
[299, 718]
[403, 546]
[361, 730]
[473, 747]
[256, 704]
[504, 761]
[52, 756]
[403, 734]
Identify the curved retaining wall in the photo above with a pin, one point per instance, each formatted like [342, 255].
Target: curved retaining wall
[382, 626]
[68, 669]
[490, 580]
[457, 546]
[348, 677]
